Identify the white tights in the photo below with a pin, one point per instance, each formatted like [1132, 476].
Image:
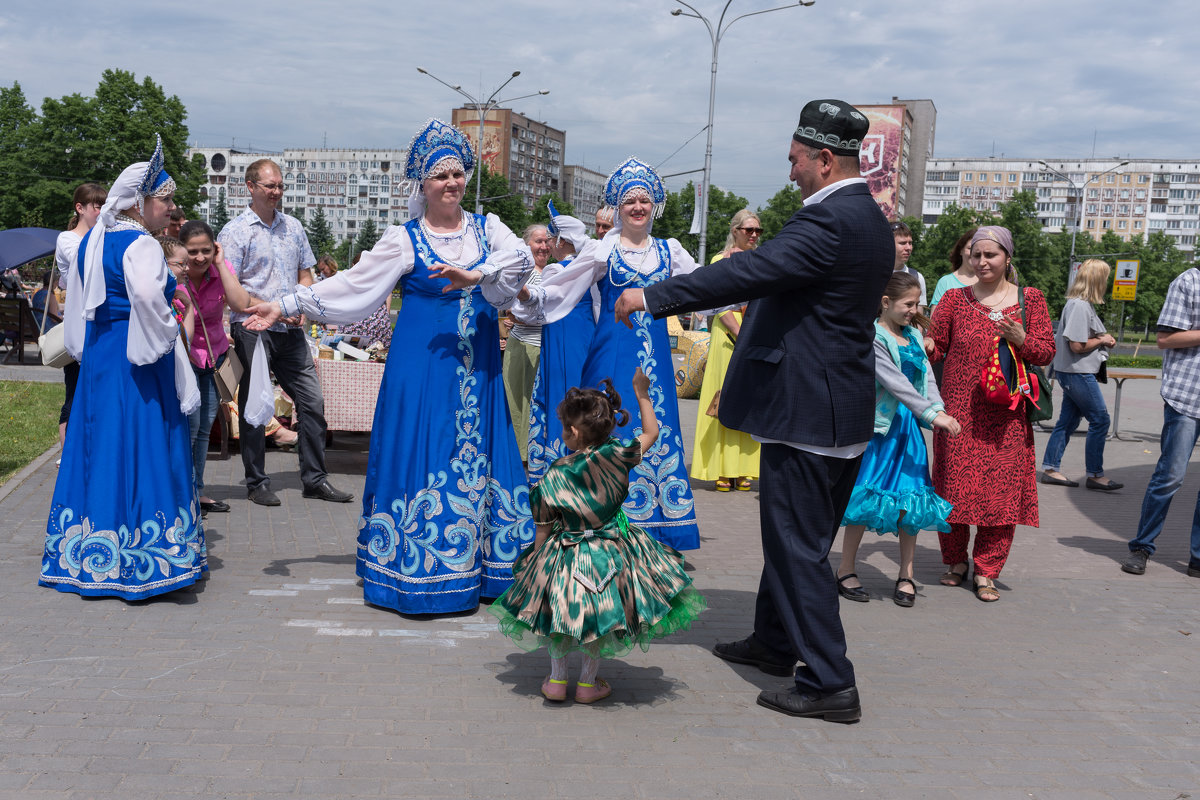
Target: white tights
[587, 670]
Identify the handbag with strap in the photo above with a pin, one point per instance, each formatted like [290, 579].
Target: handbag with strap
[228, 374]
[715, 405]
[1041, 402]
[52, 344]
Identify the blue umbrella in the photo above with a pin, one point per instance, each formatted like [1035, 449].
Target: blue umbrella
[21, 245]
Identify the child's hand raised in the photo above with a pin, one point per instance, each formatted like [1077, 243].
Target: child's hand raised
[947, 423]
[641, 383]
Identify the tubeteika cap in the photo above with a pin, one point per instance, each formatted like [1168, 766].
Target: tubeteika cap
[832, 125]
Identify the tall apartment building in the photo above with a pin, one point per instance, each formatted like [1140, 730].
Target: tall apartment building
[1137, 197]
[894, 153]
[351, 185]
[528, 153]
[583, 188]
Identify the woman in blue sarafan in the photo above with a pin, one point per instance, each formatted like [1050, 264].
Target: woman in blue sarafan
[565, 345]
[123, 519]
[660, 496]
[445, 504]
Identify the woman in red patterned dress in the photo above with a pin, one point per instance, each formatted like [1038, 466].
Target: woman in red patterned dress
[987, 472]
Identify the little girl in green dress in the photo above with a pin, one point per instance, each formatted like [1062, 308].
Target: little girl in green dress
[592, 581]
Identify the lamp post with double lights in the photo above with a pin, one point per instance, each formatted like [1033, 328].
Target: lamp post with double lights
[483, 108]
[715, 33]
[1078, 190]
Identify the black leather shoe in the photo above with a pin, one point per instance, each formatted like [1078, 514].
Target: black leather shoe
[856, 593]
[325, 491]
[219, 506]
[1135, 562]
[263, 496]
[904, 599]
[1193, 569]
[1109, 486]
[1051, 481]
[749, 651]
[840, 706]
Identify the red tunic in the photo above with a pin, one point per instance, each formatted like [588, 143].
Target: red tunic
[987, 471]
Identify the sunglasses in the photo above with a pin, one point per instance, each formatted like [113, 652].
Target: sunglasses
[752, 230]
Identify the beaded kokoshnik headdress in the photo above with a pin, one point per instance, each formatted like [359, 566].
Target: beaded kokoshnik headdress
[633, 175]
[435, 147]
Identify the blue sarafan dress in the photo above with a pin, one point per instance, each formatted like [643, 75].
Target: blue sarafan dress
[565, 346]
[894, 476]
[660, 495]
[445, 505]
[123, 520]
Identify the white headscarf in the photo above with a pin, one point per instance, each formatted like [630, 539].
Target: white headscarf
[86, 294]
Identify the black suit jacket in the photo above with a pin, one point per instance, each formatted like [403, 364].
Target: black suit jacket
[803, 369]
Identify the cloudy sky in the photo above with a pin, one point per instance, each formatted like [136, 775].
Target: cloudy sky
[1023, 78]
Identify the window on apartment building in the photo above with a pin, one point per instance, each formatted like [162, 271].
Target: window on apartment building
[996, 192]
[1012, 177]
[1091, 223]
[1110, 178]
[1143, 178]
[1093, 194]
[1121, 224]
[1108, 208]
[967, 176]
[1137, 224]
[1125, 178]
[997, 177]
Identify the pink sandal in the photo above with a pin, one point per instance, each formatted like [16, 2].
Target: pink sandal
[554, 690]
[592, 692]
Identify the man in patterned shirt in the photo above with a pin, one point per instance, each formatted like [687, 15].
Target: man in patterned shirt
[1179, 337]
[270, 254]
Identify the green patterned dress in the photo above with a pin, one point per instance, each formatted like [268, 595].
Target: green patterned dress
[597, 584]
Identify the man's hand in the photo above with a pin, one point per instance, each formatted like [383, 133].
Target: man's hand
[631, 300]
[265, 315]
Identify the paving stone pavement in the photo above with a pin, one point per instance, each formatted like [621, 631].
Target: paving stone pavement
[272, 679]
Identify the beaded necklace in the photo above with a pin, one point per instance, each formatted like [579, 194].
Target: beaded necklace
[631, 267]
[121, 219]
[443, 238]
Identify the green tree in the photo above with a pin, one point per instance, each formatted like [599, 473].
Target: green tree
[79, 138]
[17, 123]
[779, 209]
[320, 233]
[541, 214]
[679, 209]
[498, 198]
[220, 215]
[368, 235]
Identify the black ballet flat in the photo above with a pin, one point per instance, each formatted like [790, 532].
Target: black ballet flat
[858, 594]
[904, 599]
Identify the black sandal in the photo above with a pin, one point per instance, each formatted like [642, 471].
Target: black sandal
[905, 599]
[856, 593]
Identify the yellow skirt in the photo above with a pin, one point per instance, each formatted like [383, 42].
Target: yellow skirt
[720, 452]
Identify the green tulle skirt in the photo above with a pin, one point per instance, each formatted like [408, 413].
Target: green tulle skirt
[600, 592]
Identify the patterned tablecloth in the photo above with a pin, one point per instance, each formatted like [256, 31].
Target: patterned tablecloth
[351, 389]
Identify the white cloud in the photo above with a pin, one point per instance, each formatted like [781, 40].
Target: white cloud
[1037, 79]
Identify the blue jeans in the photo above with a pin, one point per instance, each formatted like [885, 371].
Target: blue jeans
[200, 423]
[1179, 434]
[1081, 398]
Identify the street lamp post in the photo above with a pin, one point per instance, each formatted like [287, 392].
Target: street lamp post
[1078, 190]
[715, 33]
[483, 108]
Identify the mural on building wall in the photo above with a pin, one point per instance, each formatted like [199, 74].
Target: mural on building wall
[880, 155]
[492, 152]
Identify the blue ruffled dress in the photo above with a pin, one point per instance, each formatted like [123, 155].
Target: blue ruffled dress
[894, 476]
[445, 504]
[123, 519]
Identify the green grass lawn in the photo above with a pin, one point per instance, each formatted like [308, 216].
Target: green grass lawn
[29, 419]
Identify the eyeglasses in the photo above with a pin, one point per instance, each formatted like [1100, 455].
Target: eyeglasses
[271, 187]
[898, 226]
[752, 231]
[176, 264]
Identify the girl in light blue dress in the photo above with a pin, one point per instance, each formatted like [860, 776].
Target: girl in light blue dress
[893, 492]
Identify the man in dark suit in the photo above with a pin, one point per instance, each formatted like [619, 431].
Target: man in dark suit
[802, 382]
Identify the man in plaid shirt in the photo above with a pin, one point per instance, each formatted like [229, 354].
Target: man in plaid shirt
[1179, 336]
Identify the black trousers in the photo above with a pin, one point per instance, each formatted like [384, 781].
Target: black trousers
[290, 360]
[803, 496]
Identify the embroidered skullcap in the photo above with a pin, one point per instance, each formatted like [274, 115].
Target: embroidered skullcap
[631, 175]
[994, 233]
[436, 142]
[832, 125]
[564, 226]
